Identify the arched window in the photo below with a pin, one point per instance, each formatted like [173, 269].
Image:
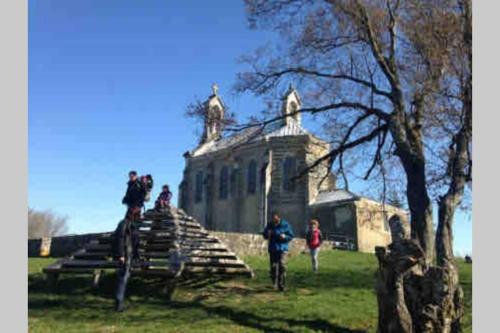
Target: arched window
[198, 194]
[233, 182]
[289, 170]
[251, 177]
[223, 182]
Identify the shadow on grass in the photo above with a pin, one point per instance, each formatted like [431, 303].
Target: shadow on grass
[69, 303]
[266, 324]
[328, 279]
[324, 280]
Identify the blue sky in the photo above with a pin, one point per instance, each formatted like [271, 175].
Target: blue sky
[109, 82]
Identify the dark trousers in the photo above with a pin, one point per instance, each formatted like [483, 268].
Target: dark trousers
[123, 275]
[126, 235]
[126, 244]
[129, 227]
[277, 261]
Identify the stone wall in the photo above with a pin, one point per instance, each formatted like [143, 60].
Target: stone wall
[255, 244]
[240, 243]
[373, 227]
[61, 246]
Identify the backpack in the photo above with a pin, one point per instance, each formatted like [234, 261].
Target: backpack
[147, 182]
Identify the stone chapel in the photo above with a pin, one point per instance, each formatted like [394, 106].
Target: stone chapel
[233, 183]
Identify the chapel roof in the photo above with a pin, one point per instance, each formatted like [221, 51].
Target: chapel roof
[335, 196]
[339, 196]
[250, 135]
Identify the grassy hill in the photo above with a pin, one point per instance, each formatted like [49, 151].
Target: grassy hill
[340, 298]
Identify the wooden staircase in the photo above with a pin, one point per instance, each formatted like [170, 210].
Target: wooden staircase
[172, 244]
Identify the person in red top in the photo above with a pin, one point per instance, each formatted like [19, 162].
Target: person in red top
[314, 239]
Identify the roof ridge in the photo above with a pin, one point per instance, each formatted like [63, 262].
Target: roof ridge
[251, 134]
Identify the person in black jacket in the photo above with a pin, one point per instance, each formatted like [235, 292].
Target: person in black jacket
[134, 197]
[126, 234]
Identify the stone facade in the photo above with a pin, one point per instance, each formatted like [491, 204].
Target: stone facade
[364, 221]
[246, 177]
[234, 183]
[373, 223]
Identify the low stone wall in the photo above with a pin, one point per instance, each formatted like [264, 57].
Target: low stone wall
[60, 246]
[240, 243]
[254, 244]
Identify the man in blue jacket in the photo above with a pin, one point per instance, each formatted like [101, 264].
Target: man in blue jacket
[279, 233]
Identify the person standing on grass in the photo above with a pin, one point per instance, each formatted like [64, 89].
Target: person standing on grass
[134, 199]
[314, 239]
[279, 233]
[126, 238]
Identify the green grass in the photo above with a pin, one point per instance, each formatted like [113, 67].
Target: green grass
[339, 299]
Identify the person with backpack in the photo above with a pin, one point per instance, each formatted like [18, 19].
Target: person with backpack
[134, 199]
[126, 236]
[314, 238]
[279, 233]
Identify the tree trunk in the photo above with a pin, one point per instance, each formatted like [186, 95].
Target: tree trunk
[420, 207]
[395, 264]
[409, 149]
[412, 296]
[451, 301]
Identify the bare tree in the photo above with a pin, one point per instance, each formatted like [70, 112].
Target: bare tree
[45, 224]
[395, 78]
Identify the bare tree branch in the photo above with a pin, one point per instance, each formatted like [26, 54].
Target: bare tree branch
[342, 148]
[304, 71]
[334, 106]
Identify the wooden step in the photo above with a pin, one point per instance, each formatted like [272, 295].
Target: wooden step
[92, 255]
[218, 271]
[150, 215]
[166, 272]
[169, 232]
[146, 236]
[98, 247]
[169, 240]
[72, 270]
[205, 247]
[200, 254]
[91, 263]
[175, 223]
[161, 235]
[213, 262]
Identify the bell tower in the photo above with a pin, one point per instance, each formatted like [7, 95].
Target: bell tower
[290, 105]
[214, 116]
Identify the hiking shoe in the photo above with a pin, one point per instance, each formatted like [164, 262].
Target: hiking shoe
[119, 307]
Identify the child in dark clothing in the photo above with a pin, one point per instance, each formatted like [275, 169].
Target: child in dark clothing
[163, 200]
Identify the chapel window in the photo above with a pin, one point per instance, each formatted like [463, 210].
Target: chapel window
[252, 177]
[223, 182]
[289, 170]
[233, 182]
